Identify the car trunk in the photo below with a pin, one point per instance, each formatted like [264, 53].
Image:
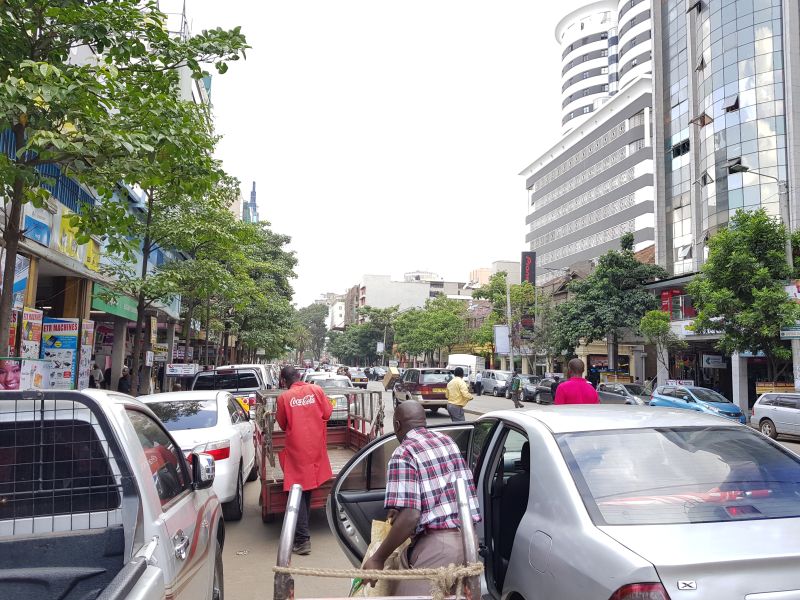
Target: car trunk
[749, 560]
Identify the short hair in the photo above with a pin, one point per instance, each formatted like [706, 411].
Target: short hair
[576, 367]
[458, 372]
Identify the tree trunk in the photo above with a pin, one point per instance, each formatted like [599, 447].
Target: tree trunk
[11, 237]
[208, 327]
[136, 359]
[187, 329]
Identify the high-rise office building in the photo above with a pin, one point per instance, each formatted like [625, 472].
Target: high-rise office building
[725, 138]
[250, 210]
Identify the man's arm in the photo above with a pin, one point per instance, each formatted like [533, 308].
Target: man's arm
[465, 390]
[281, 415]
[324, 402]
[559, 396]
[403, 527]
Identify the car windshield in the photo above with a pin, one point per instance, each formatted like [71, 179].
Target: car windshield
[705, 395]
[431, 377]
[636, 389]
[186, 414]
[703, 474]
[332, 383]
[501, 376]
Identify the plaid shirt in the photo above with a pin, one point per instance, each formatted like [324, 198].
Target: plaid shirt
[422, 474]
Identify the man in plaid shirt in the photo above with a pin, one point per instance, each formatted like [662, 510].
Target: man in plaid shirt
[421, 498]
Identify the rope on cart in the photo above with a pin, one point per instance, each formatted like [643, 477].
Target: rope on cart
[442, 579]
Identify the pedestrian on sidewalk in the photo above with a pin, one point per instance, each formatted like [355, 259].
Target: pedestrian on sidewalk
[516, 388]
[303, 413]
[576, 390]
[457, 394]
[421, 499]
[124, 384]
[478, 383]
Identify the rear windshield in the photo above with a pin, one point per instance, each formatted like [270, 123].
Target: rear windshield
[429, 377]
[186, 414]
[332, 383]
[682, 475]
[636, 390]
[226, 380]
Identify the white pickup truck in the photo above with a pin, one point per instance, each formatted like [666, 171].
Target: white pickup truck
[98, 502]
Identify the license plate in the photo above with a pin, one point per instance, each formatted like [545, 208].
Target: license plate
[439, 390]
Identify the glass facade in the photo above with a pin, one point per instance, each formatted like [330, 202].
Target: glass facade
[737, 83]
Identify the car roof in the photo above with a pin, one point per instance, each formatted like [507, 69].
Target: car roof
[439, 369]
[186, 396]
[334, 376]
[606, 417]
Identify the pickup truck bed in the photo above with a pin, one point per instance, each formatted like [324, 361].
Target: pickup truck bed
[337, 456]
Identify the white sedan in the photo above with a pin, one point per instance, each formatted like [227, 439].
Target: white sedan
[212, 422]
[334, 386]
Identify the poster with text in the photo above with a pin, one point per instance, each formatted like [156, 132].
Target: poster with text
[85, 360]
[104, 338]
[60, 349]
[31, 338]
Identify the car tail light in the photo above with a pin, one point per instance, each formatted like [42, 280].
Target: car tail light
[251, 400]
[641, 591]
[425, 389]
[218, 450]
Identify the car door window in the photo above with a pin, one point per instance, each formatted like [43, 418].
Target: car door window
[234, 414]
[767, 401]
[481, 435]
[163, 456]
[787, 402]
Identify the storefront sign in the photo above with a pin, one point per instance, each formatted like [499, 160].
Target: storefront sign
[160, 352]
[683, 382]
[153, 330]
[714, 361]
[790, 333]
[92, 258]
[31, 338]
[60, 349]
[180, 369]
[178, 352]
[85, 362]
[119, 305]
[67, 242]
[36, 224]
[528, 268]
[104, 338]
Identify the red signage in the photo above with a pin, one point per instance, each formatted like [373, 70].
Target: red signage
[528, 268]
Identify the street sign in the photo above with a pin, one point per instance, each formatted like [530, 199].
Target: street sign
[180, 369]
[790, 333]
[379, 347]
[714, 361]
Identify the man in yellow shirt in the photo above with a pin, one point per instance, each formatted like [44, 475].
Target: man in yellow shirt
[457, 395]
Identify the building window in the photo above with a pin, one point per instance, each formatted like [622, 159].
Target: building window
[605, 87]
[679, 150]
[731, 103]
[604, 70]
[604, 35]
[587, 109]
[634, 62]
[604, 53]
[586, 75]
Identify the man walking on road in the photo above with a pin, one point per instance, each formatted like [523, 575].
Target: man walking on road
[303, 412]
[576, 390]
[421, 499]
[516, 388]
[478, 383]
[458, 395]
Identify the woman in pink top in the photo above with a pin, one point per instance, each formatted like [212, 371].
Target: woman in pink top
[576, 390]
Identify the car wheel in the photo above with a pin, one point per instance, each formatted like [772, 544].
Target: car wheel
[495, 394]
[394, 400]
[233, 510]
[218, 583]
[767, 427]
[537, 398]
[253, 474]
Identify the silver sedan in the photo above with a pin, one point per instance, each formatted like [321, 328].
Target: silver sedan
[612, 502]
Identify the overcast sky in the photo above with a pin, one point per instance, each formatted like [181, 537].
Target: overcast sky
[387, 136]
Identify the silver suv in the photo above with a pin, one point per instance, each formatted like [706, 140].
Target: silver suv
[496, 382]
[777, 414]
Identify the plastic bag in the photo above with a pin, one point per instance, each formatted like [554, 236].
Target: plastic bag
[383, 587]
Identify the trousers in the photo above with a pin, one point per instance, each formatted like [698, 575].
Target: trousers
[435, 548]
[302, 533]
[456, 413]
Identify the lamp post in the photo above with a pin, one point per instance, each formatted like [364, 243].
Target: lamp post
[736, 166]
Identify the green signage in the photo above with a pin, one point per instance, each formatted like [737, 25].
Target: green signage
[122, 306]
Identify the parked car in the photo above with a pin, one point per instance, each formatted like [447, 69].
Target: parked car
[267, 372]
[527, 387]
[358, 377]
[777, 414]
[426, 385]
[623, 393]
[98, 501]
[544, 393]
[494, 383]
[696, 398]
[334, 386]
[213, 423]
[244, 383]
[625, 503]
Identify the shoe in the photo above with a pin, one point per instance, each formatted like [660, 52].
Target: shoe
[303, 548]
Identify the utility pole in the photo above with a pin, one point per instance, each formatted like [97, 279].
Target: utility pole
[510, 325]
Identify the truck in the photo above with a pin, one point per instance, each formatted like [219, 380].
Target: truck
[364, 423]
[469, 362]
[98, 501]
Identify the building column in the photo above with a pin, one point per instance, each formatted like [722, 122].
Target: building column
[118, 350]
[171, 326]
[33, 282]
[582, 352]
[503, 363]
[637, 363]
[662, 370]
[525, 365]
[739, 382]
[77, 298]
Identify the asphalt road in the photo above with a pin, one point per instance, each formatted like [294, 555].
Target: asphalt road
[251, 546]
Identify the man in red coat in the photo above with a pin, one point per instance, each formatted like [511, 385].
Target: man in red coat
[303, 413]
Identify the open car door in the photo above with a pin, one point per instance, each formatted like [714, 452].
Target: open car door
[358, 492]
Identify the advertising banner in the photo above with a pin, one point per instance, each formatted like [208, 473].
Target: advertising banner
[153, 330]
[528, 268]
[85, 361]
[31, 338]
[60, 349]
[160, 352]
[37, 223]
[178, 352]
[12, 333]
[103, 338]
[21, 269]
[180, 369]
[23, 374]
[501, 342]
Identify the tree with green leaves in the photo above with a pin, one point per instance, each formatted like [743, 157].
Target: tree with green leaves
[382, 321]
[610, 300]
[75, 80]
[656, 328]
[313, 317]
[740, 291]
[441, 324]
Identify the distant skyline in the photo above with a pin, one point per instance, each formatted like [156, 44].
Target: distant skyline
[386, 137]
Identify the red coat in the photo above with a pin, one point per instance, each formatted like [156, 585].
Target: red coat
[303, 413]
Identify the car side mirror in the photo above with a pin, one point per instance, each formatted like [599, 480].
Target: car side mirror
[203, 471]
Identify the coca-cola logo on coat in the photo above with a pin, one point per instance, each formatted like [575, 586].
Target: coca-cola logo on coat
[304, 401]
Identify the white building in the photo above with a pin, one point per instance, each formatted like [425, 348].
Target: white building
[336, 314]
